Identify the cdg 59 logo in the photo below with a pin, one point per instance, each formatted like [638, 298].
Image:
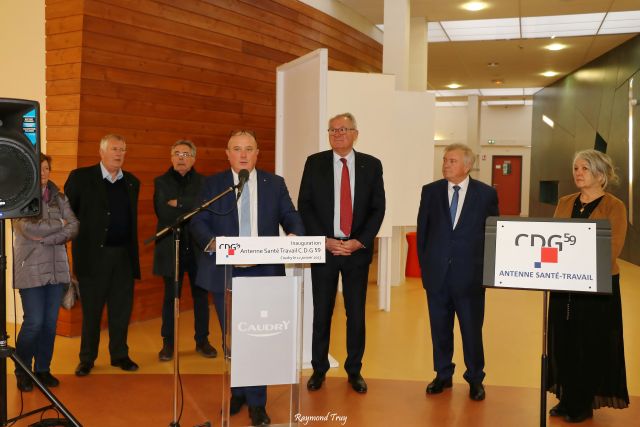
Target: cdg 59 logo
[548, 253]
[231, 248]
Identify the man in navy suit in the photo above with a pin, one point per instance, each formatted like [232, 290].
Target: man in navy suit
[341, 197]
[266, 199]
[451, 222]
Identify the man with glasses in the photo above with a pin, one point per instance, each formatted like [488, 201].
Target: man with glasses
[175, 193]
[264, 206]
[105, 253]
[341, 197]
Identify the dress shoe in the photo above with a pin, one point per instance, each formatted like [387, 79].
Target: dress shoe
[24, 382]
[125, 364]
[206, 350]
[438, 384]
[578, 418]
[47, 379]
[357, 383]
[558, 411]
[476, 392]
[166, 354]
[315, 381]
[83, 369]
[236, 404]
[259, 416]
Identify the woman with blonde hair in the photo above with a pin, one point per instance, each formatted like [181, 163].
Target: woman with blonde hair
[586, 347]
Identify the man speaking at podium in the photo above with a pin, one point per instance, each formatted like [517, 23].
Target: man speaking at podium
[263, 206]
[451, 222]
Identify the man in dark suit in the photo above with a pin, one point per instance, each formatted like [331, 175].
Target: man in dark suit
[175, 194]
[105, 253]
[451, 222]
[350, 224]
[265, 205]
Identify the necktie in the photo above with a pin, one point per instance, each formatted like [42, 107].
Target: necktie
[346, 211]
[245, 211]
[454, 204]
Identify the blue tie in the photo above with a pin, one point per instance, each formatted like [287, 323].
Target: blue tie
[454, 204]
[245, 211]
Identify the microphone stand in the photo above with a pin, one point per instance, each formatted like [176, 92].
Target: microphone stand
[175, 228]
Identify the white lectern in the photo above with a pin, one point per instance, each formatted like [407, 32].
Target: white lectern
[263, 315]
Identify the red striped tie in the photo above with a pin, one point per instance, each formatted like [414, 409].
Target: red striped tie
[346, 211]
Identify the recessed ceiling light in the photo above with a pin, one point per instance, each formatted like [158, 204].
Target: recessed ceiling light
[550, 73]
[497, 82]
[454, 86]
[555, 46]
[474, 6]
[492, 64]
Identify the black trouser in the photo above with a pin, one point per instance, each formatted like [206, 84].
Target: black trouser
[110, 283]
[200, 305]
[354, 291]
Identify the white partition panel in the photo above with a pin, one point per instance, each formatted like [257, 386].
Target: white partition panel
[300, 115]
[395, 126]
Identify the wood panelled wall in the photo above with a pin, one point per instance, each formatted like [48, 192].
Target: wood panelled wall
[159, 70]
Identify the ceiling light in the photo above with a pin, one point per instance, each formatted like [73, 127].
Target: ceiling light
[550, 73]
[547, 120]
[497, 82]
[561, 25]
[492, 64]
[555, 46]
[474, 6]
[482, 29]
[454, 86]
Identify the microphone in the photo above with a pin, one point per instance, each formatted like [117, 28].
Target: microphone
[243, 177]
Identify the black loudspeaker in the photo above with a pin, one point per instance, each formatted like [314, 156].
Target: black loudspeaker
[20, 191]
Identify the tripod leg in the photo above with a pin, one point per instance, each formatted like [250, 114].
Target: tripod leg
[50, 396]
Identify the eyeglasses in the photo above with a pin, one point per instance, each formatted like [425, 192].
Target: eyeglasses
[118, 149]
[182, 154]
[339, 131]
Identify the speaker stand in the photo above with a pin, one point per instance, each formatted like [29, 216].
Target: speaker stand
[7, 352]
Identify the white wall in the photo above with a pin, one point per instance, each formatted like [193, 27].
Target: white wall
[22, 75]
[345, 14]
[507, 125]
[450, 124]
[510, 128]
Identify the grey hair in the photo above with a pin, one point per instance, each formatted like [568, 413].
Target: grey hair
[112, 136]
[600, 165]
[186, 142]
[469, 156]
[347, 116]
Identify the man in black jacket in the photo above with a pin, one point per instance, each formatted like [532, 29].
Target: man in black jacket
[105, 253]
[175, 193]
